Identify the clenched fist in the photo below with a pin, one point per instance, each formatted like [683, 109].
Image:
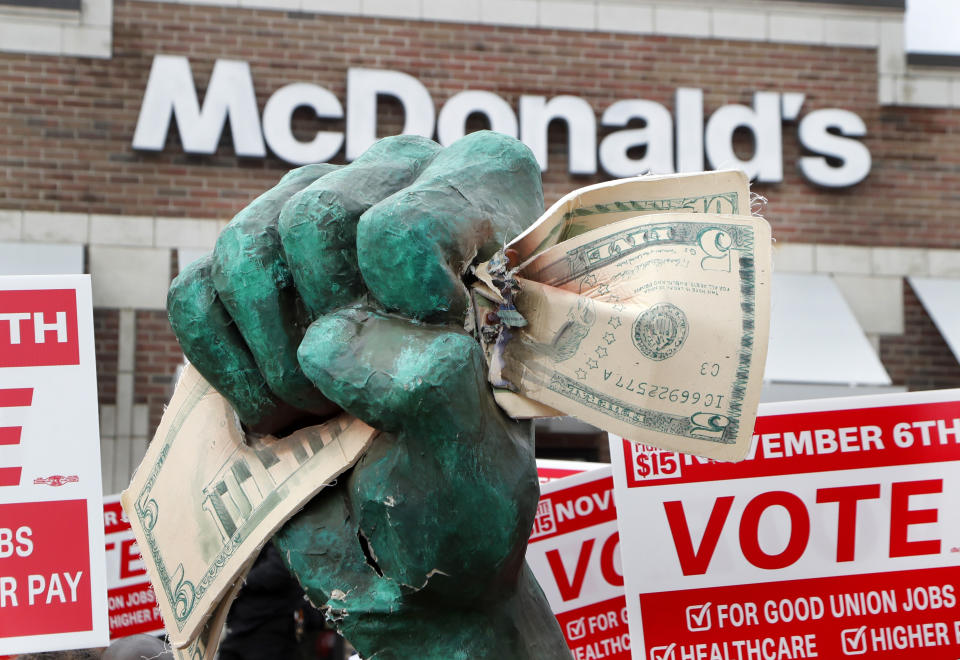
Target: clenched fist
[342, 288]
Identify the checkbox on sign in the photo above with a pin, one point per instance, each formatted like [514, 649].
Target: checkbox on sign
[576, 629]
[663, 652]
[854, 640]
[698, 617]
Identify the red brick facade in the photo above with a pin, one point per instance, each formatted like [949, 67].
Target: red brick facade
[68, 122]
[105, 331]
[156, 361]
[920, 359]
[66, 126]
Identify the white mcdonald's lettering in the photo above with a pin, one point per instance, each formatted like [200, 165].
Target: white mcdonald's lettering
[839, 159]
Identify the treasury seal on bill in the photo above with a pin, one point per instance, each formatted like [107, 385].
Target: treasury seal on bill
[660, 331]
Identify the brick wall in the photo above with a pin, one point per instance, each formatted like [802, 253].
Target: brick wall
[157, 359]
[67, 122]
[66, 126]
[105, 334]
[920, 358]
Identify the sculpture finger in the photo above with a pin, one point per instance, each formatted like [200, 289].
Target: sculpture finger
[414, 246]
[211, 341]
[449, 458]
[318, 225]
[256, 287]
[395, 374]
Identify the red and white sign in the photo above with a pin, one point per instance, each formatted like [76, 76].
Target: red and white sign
[38, 327]
[549, 469]
[52, 580]
[574, 553]
[132, 604]
[837, 537]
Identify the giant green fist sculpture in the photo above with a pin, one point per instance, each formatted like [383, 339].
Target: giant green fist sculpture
[343, 288]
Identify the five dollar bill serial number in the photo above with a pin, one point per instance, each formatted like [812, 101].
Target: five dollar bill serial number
[671, 394]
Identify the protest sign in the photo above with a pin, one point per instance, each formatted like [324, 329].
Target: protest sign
[835, 538]
[574, 553]
[133, 607]
[53, 592]
[549, 469]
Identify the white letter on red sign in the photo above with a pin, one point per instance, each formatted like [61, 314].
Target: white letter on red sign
[14, 319]
[40, 328]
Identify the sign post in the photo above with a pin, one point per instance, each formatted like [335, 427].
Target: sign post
[837, 537]
[52, 576]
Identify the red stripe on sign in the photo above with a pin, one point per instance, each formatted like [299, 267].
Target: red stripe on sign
[822, 441]
[113, 519]
[48, 569]
[10, 435]
[16, 398]
[10, 476]
[901, 614]
[39, 328]
[133, 610]
[573, 508]
[598, 630]
[555, 473]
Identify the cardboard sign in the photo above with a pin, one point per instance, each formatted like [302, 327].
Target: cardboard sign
[838, 536]
[52, 582]
[549, 469]
[575, 554]
[132, 604]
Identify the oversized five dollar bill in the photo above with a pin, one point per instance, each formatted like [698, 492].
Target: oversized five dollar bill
[640, 306]
[206, 498]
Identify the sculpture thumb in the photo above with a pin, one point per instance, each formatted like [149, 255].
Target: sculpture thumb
[414, 247]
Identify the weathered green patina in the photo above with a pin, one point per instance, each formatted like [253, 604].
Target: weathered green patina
[209, 337]
[417, 551]
[253, 282]
[474, 197]
[318, 226]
